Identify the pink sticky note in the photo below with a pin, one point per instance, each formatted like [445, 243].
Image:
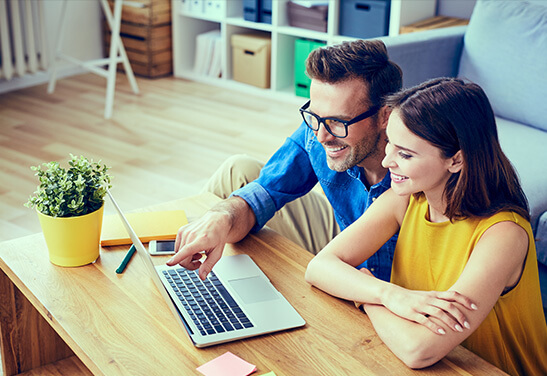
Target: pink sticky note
[227, 364]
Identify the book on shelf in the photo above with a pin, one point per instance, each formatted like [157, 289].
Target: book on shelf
[208, 54]
[215, 70]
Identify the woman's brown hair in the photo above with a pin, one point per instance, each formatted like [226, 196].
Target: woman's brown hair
[456, 115]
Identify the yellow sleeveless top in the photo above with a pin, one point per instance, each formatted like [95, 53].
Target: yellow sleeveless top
[431, 256]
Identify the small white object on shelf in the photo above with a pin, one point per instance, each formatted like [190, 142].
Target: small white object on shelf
[206, 44]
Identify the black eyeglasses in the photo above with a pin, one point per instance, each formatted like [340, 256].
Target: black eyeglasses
[336, 127]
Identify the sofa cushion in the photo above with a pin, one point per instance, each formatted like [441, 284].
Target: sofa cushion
[505, 52]
[526, 149]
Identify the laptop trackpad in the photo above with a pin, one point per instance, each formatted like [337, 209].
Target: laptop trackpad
[254, 289]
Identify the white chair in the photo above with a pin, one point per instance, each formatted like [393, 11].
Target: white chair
[116, 55]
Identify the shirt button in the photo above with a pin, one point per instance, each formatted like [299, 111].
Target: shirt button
[373, 199]
[372, 269]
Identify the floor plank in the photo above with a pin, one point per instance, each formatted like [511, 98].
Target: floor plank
[161, 145]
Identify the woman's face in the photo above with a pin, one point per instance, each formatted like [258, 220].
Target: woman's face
[415, 165]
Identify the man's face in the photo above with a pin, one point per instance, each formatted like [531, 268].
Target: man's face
[345, 100]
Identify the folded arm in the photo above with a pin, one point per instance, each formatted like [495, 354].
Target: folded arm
[420, 327]
[495, 264]
[333, 270]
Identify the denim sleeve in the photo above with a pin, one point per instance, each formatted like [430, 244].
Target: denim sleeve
[287, 176]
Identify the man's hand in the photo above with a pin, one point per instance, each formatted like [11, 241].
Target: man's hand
[206, 236]
[228, 222]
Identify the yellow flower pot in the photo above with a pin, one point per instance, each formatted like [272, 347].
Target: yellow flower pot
[73, 241]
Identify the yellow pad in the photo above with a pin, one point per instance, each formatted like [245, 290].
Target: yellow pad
[159, 225]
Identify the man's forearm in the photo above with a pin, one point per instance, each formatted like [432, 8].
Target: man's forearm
[238, 214]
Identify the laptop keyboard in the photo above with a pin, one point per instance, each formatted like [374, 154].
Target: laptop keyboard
[208, 303]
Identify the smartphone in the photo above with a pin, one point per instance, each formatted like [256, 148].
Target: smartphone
[161, 247]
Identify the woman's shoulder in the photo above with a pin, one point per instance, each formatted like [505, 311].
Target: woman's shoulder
[506, 226]
[505, 216]
[394, 203]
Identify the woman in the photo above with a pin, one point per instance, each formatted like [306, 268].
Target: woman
[465, 267]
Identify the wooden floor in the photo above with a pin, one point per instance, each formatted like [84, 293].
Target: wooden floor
[161, 144]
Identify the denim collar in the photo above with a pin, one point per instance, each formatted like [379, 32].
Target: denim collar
[357, 172]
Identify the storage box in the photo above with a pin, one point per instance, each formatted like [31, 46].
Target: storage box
[251, 10]
[251, 59]
[195, 6]
[266, 11]
[302, 48]
[313, 18]
[257, 10]
[214, 8]
[148, 12]
[146, 36]
[433, 23]
[364, 18]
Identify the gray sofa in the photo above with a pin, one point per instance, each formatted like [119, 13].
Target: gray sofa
[504, 50]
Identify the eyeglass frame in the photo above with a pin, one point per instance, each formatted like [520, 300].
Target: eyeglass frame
[321, 120]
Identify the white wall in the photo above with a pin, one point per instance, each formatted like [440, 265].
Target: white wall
[82, 39]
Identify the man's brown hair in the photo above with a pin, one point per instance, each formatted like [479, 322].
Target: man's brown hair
[366, 60]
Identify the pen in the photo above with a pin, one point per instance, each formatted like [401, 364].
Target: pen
[126, 259]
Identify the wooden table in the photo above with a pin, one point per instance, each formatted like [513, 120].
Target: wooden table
[90, 320]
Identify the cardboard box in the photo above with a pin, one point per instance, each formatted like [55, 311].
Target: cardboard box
[251, 59]
[433, 23]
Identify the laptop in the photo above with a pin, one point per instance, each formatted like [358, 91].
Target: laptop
[236, 300]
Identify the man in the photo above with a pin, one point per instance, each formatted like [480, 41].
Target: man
[340, 145]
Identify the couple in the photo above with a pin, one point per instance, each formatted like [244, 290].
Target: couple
[445, 257]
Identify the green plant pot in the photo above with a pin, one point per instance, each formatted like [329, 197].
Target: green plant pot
[73, 241]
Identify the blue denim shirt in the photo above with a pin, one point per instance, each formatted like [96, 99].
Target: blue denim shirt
[295, 169]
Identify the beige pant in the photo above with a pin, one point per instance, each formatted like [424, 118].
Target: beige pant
[308, 221]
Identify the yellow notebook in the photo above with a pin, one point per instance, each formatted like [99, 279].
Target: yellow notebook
[159, 225]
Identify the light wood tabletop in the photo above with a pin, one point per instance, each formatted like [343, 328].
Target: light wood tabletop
[90, 320]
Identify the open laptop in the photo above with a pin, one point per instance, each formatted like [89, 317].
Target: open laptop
[236, 300]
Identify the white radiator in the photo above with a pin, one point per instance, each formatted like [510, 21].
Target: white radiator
[22, 38]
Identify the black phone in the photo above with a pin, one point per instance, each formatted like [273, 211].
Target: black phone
[161, 247]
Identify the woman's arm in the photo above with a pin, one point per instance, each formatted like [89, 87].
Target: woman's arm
[333, 269]
[495, 263]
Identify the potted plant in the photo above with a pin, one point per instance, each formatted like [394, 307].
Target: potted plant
[70, 204]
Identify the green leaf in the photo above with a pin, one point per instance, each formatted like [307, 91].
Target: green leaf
[75, 191]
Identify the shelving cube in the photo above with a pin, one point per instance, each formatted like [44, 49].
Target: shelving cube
[188, 23]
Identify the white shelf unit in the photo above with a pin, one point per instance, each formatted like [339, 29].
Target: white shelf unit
[187, 24]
